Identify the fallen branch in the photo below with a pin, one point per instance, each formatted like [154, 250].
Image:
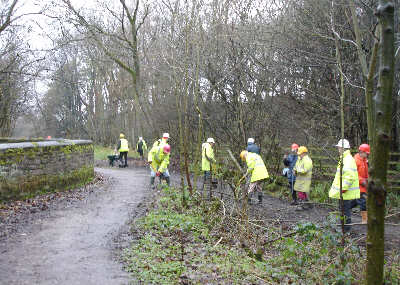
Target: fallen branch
[282, 236]
[275, 220]
[235, 161]
[391, 215]
[223, 205]
[317, 203]
[361, 224]
[263, 280]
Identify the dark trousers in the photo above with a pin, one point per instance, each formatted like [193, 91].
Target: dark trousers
[140, 151]
[123, 155]
[291, 187]
[207, 184]
[348, 205]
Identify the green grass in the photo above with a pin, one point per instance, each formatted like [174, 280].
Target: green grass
[101, 152]
[175, 246]
[179, 246]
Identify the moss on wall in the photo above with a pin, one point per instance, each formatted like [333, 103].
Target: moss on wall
[16, 155]
[28, 187]
[29, 169]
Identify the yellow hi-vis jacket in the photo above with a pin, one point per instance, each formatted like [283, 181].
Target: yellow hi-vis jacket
[144, 145]
[159, 159]
[207, 156]
[124, 145]
[256, 166]
[303, 169]
[156, 143]
[350, 184]
[159, 142]
[163, 142]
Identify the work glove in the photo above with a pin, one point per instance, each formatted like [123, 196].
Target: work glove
[158, 173]
[149, 162]
[364, 183]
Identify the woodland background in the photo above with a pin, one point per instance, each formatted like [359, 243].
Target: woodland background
[226, 69]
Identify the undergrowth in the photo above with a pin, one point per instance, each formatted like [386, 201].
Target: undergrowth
[206, 243]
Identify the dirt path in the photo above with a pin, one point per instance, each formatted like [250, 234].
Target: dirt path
[74, 245]
[74, 242]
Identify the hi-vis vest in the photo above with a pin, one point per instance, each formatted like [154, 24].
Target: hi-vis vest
[256, 167]
[124, 145]
[159, 159]
[207, 156]
[303, 169]
[350, 182]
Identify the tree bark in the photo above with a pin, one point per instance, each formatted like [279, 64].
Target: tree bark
[377, 172]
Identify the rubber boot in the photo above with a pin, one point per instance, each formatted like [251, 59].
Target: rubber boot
[250, 198]
[364, 217]
[260, 198]
[167, 180]
[294, 198]
[347, 229]
[152, 182]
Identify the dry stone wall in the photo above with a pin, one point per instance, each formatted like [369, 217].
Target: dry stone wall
[31, 168]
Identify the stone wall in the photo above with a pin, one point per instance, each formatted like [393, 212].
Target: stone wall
[31, 168]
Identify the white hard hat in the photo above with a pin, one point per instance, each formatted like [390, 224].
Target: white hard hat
[250, 140]
[165, 135]
[210, 140]
[343, 143]
[140, 138]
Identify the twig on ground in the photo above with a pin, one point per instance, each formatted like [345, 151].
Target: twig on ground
[361, 224]
[350, 244]
[218, 242]
[262, 279]
[318, 203]
[282, 236]
[278, 220]
[391, 215]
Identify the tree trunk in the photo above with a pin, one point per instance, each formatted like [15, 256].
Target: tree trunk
[342, 97]
[369, 89]
[377, 172]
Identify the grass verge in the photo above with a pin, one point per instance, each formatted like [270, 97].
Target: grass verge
[202, 244]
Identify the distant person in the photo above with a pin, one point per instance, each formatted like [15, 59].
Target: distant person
[207, 159]
[257, 171]
[123, 149]
[361, 159]
[141, 147]
[303, 170]
[252, 147]
[350, 184]
[290, 161]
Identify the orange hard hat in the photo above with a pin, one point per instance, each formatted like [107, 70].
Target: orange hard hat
[365, 148]
[295, 146]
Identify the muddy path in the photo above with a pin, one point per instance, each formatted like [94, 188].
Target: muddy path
[75, 244]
